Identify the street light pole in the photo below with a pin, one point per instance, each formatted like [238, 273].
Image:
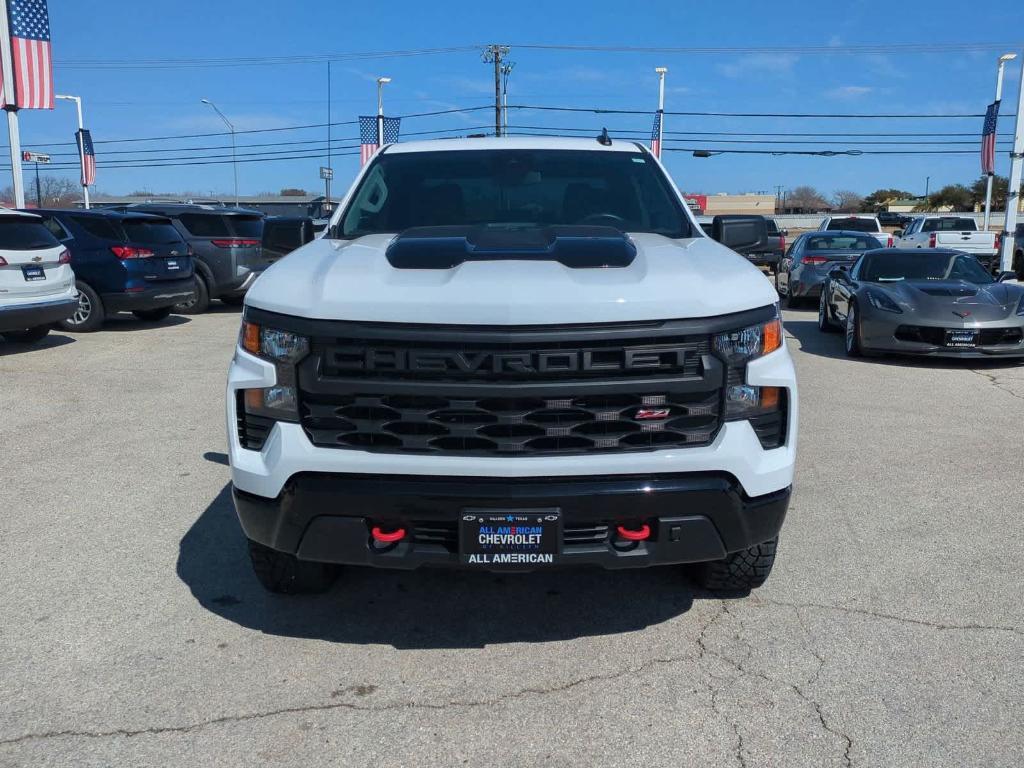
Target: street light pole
[1013, 190]
[81, 127]
[381, 82]
[234, 158]
[661, 105]
[999, 95]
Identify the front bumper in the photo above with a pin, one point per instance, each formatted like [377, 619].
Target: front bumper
[878, 335]
[693, 518]
[166, 294]
[18, 317]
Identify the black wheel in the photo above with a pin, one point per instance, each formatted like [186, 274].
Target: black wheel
[233, 301]
[89, 315]
[744, 570]
[28, 336]
[792, 302]
[200, 301]
[153, 315]
[853, 347]
[286, 574]
[825, 324]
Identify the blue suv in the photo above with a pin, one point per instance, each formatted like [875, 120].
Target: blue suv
[123, 262]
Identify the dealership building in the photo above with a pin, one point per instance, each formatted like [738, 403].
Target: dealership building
[714, 205]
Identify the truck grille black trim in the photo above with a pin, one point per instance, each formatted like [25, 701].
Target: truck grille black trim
[510, 425]
[252, 430]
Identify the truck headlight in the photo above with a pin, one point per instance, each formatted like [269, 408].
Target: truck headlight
[285, 350]
[764, 407]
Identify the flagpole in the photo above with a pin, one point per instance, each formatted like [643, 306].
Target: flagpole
[11, 107]
[1013, 190]
[81, 148]
[999, 95]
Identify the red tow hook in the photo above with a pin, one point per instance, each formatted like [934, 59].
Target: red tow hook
[634, 534]
[387, 537]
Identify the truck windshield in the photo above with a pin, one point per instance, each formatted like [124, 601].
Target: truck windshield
[887, 265]
[514, 188]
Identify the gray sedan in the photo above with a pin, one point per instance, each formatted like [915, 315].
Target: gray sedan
[805, 267]
[924, 301]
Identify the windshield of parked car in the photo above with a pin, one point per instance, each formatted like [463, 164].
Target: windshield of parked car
[500, 188]
[949, 224]
[24, 234]
[854, 225]
[888, 266]
[842, 243]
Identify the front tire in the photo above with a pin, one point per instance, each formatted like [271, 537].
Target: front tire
[852, 340]
[153, 315]
[28, 336]
[825, 324]
[285, 574]
[89, 315]
[200, 301]
[741, 571]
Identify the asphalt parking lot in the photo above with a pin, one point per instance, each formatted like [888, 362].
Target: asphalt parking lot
[132, 631]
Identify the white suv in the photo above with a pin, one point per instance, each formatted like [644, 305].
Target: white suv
[513, 354]
[37, 286]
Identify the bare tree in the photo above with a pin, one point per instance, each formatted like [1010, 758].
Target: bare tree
[805, 200]
[846, 201]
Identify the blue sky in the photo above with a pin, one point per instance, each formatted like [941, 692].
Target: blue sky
[121, 103]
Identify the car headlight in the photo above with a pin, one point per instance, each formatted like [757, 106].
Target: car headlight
[882, 302]
[736, 349]
[1020, 305]
[285, 350]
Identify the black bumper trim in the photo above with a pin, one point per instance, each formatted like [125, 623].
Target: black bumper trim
[27, 316]
[165, 294]
[695, 517]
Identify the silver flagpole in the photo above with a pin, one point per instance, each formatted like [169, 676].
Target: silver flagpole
[18, 183]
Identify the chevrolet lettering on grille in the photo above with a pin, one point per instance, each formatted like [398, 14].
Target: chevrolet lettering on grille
[395, 360]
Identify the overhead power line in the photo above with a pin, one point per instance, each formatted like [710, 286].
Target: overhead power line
[846, 116]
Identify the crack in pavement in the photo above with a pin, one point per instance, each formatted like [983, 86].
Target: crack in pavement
[892, 617]
[995, 382]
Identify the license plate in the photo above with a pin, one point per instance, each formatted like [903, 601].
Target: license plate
[172, 265]
[961, 338]
[33, 273]
[510, 537]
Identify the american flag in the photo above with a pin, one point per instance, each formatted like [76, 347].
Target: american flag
[988, 139]
[368, 135]
[30, 51]
[84, 139]
[656, 135]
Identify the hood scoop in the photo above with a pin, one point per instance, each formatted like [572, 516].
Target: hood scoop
[949, 290]
[576, 247]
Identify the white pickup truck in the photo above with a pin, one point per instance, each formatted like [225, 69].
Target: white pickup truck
[855, 222]
[957, 232]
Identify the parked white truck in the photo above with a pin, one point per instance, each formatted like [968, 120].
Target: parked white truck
[857, 222]
[513, 353]
[957, 232]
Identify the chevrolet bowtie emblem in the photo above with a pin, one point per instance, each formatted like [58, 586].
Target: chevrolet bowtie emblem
[37, 258]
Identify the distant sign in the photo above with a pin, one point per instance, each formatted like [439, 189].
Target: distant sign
[326, 173]
[34, 157]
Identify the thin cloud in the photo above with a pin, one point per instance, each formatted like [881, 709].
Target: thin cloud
[760, 64]
[849, 92]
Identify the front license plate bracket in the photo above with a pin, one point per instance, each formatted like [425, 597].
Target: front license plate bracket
[510, 537]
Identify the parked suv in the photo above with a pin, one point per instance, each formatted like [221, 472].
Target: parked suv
[37, 286]
[226, 246]
[123, 262]
[513, 354]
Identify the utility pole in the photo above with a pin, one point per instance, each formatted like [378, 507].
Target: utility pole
[778, 195]
[506, 70]
[1013, 191]
[493, 54]
[231, 127]
[999, 96]
[661, 107]
[6, 64]
[927, 183]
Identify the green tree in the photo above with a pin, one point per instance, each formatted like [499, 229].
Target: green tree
[1000, 184]
[956, 196]
[880, 197]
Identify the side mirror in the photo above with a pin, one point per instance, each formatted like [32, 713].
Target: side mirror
[741, 233]
[838, 273]
[898, 233]
[1004, 276]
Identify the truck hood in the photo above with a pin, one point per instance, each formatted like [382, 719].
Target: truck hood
[668, 279]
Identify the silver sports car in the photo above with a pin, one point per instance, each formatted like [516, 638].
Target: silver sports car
[925, 301]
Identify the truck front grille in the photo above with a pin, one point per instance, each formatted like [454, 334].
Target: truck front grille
[503, 392]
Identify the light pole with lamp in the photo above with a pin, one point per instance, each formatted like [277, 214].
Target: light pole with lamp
[234, 159]
[81, 127]
[661, 105]
[381, 82]
[999, 95]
